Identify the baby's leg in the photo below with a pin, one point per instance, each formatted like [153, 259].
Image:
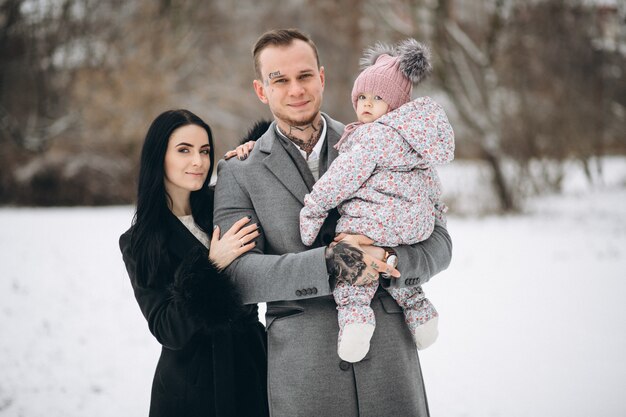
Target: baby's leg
[356, 320]
[419, 314]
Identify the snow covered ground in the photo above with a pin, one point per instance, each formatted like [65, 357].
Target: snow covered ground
[533, 312]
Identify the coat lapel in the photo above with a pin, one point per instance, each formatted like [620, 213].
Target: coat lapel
[333, 134]
[333, 137]
[280, 163]
[180, 240]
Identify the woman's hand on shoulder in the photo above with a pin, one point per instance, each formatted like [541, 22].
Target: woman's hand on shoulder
[241, 151]
[238, 240]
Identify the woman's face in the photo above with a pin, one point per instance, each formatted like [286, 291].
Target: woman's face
[187, 162]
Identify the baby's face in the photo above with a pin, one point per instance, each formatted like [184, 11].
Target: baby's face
[370, 107]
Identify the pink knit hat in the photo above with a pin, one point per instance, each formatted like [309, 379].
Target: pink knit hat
[390, 72]
[384, 79]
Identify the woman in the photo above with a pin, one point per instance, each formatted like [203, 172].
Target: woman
[212, 360]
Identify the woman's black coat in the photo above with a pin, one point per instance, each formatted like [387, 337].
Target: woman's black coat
[213, 357]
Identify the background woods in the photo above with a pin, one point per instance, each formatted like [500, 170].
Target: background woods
[529, 86]
[535, 90]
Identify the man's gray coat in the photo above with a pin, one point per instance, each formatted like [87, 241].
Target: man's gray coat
[305, 375]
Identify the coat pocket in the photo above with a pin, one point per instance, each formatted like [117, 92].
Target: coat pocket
[280, 312]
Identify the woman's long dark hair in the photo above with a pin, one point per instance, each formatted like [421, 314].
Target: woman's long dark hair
[151, 215]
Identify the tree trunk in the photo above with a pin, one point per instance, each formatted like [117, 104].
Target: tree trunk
[503, 191]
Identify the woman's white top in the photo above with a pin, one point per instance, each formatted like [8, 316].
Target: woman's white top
[195, 230]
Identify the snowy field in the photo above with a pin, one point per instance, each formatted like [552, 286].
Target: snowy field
[533, 312]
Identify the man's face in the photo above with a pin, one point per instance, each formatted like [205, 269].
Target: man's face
[292, 84]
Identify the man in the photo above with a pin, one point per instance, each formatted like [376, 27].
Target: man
[306, 376]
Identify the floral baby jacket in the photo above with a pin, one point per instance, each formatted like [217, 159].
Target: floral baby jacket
[383, 181]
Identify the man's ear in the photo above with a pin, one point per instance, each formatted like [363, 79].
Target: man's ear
[259, 89]
[322, 76]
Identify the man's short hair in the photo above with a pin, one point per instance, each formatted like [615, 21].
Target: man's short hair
[279, 37]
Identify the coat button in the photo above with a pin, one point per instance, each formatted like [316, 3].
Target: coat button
[309, 291]
[407, 281]
[298, 293]
[314, 290]
[344, 366]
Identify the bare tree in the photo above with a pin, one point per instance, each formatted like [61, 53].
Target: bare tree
[33, 80]
[34, 40]
[560, 77]
[526, 81]
[465, 69]
[80, 80]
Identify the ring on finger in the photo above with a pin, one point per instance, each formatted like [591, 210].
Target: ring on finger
[241, 241]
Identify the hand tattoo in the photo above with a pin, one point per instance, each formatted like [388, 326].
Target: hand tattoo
[306, 145]
[345, 262]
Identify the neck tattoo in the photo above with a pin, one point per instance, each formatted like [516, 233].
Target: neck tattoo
[306, 145]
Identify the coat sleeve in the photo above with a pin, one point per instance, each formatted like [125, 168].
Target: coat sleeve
[262, 277]
[424, 259]
[194, 298]
[344, 177]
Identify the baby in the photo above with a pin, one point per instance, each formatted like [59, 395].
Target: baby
[385, 185]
